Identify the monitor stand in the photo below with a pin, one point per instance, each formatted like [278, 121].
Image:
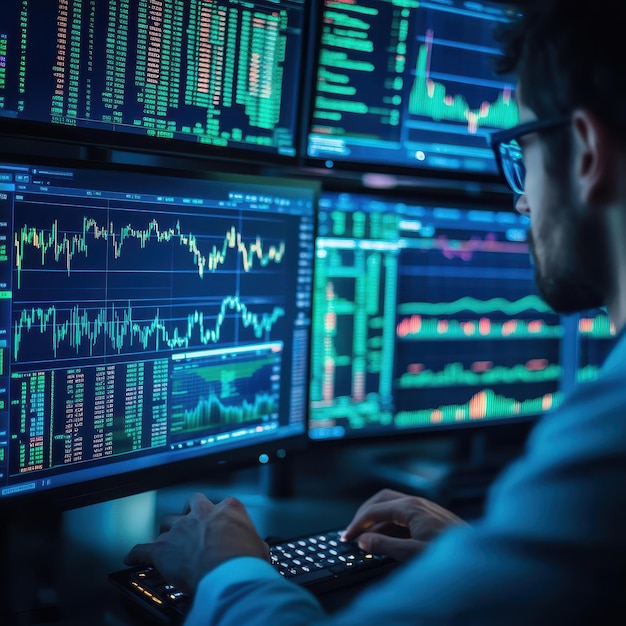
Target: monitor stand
[278, 478]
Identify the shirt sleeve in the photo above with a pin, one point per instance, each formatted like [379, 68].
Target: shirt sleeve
[248, 591]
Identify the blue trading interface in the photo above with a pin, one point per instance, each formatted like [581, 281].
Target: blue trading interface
[409, 84]
[221, 74]
[147, 319]
[426, 316]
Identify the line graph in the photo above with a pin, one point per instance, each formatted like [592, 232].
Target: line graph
[81, 329]
[209, 395]
[55, 245]
[430, 98]
[475, 305]
[464, 250]
[211, 412]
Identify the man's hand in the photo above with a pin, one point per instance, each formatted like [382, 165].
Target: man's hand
[194, 543]
[398, 525]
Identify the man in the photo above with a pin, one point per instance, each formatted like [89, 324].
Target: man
[551, 548]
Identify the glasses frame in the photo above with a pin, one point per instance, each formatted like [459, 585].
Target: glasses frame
[504, 137]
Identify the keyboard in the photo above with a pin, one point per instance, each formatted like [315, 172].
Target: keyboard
[320, 562]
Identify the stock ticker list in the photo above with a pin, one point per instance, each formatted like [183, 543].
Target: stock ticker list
[5, 310]
[220, 73]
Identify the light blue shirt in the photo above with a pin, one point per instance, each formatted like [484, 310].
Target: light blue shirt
[550, 549]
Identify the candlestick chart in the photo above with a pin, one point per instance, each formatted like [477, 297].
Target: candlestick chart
[150, 281]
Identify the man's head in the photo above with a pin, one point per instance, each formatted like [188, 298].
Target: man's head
[572, 80]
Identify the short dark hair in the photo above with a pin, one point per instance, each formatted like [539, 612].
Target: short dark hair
[566, 57]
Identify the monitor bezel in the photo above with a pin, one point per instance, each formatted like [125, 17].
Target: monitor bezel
[141, 144]
[178, 471]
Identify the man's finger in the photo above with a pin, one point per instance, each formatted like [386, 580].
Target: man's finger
[384, 495]
[399, 549]
[195, 501]
[390, 511]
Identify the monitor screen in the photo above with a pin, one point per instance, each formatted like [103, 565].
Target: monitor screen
[426, 316]
[148, 320]
[213, 75]
[408, 85]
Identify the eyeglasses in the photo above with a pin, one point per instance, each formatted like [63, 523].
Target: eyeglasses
[508, 153]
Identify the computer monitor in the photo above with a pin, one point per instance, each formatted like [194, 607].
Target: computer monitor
[210, 78]
[408, 86]
[155, 325]
[426, 318]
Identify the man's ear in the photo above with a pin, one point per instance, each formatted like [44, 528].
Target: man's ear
[595, 158]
